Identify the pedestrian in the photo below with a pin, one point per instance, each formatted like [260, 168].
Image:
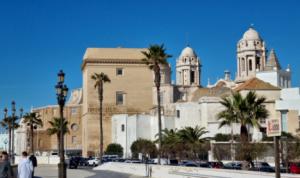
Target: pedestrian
[25, 166]
[33, 160]
[5, 167]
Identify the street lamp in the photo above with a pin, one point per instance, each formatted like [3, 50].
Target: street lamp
[61, 94]
[8, 135]
[13, 112]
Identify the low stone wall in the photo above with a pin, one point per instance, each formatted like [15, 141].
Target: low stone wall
[159, 171]
[42, 159]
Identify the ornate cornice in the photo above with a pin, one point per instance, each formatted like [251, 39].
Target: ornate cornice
[111, 61]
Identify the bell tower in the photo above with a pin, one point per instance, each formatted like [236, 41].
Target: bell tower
[251, 55]
[188, 68]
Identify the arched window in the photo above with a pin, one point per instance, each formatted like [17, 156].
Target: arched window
[257, 63]
[250, 65]
[243, 64]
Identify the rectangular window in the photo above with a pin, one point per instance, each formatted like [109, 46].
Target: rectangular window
[74, 111]
[162, 98]
[178, 113]
[119, 71]
[284, 121]
[192, 76]
[123, 127]
[120, 98]
[74, 139]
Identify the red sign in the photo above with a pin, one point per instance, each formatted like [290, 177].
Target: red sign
[273, 127]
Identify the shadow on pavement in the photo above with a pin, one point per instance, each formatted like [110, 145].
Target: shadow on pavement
[110, 174]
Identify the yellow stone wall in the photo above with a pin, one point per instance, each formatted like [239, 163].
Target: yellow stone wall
[136, 82]
[73, 140]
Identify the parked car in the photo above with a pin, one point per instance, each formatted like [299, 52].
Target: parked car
[233, 165]
[191, 164]
[215, 164]
[263, 167]
[132, 161]
[295, 167]
[110, 158]
[93, 162]
[284, 168]
[73, 163]
[83, 161]
[204, 165]
[173, 162]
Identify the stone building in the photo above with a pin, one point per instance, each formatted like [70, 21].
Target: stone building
[129, 106]
[129, 92]
[252, 61]
[187, 103]
[43, 142]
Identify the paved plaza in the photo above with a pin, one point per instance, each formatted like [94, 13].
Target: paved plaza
[50, 171]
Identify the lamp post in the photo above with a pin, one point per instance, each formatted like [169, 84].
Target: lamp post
[13, 113]
[8, 134]
[61, 94]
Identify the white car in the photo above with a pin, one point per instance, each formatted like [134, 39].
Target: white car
[93, 162]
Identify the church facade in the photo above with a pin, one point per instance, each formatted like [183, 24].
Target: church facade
[130, 106]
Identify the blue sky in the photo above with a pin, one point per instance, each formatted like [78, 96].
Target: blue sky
[39, 37]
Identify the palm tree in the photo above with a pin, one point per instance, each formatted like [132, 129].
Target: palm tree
[244, 110]
[171, 143]
[55, 128]
[193, 138]
[33, 121]
[100, 79]
[8, 123]
[154, 57]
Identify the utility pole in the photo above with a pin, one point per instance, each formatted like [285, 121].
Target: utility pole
[277, 160]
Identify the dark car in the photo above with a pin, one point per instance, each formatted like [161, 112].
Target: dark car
[190, 164]
[73, 163]
[215, 164]
[204, 164]
[83, 161]
[173, 162]
[233, 165]
[263, 167]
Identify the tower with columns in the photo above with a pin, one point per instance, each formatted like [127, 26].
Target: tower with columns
[251, 55]
[188, 68]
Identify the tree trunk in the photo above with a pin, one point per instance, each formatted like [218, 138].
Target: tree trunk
[58, 141]
[157, 83]
[244, 134]
[100, 92]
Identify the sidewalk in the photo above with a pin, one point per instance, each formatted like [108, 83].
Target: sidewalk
[51, 171]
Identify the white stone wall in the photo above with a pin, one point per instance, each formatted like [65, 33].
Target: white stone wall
[268, 76]
[163, 171]
[189, 115]
[290, 102]
[3, 141]
[135, 127]
[280, 78]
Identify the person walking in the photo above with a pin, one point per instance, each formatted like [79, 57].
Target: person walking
[25, 167]
[5, 167]
[33, 160]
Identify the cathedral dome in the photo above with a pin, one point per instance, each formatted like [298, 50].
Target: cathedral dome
[251, 34]
[187, 52]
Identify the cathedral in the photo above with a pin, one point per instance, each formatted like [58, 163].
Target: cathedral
[130, 106]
